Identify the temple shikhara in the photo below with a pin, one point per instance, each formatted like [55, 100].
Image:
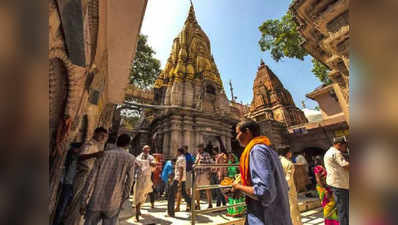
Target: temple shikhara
[191, 107]
[271, 101]
[190, 84]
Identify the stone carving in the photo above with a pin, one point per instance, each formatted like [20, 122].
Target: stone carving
[193, 89]
[271, 100]
[190, 55]
[325, 27]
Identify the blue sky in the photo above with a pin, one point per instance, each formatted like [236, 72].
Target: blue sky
[232, 27]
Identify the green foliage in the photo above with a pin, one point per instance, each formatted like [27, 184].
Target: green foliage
[282, 39]
[320, 71]
[145, 67]
[130, 118]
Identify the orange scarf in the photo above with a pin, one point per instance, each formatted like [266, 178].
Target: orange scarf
[244, 159]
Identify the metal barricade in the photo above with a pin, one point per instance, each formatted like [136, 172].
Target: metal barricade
[209, 187]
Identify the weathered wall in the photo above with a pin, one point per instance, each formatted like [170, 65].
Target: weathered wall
[275, 131]
[180, 128]
[82, 75]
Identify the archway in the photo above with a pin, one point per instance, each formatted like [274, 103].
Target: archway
[310, 153]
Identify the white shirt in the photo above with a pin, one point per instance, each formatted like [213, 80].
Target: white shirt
[337, 176]
[144, 165]
[180, 163]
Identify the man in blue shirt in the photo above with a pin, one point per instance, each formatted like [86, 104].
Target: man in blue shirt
[262, 178]
[166, 173]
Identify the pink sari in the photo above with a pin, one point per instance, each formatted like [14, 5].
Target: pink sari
[328, 203]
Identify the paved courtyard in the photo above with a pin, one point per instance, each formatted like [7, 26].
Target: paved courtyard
[158, 216]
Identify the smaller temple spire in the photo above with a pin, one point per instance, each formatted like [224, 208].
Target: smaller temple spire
[262, 62]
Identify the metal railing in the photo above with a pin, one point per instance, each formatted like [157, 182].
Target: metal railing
[209, 187]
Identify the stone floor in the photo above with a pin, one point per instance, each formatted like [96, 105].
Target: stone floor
[313, 217]
[158, 216]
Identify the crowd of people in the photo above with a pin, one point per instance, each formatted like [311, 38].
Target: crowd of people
[97, 182]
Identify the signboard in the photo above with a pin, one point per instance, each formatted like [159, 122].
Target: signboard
[300, 131]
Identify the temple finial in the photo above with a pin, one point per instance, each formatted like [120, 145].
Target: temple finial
[262, 62]
[191, 16]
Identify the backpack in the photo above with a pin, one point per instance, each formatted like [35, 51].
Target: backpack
[189, 161]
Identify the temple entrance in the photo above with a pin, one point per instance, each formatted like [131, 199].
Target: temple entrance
[211, 144]
[306, 181]
[311, 152]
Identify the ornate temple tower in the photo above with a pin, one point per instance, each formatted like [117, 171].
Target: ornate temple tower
[271, 101]
[197, 109]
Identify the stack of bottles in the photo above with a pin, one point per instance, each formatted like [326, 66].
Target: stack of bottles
[238, 210]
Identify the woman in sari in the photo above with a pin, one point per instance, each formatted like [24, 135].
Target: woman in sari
[325, 194]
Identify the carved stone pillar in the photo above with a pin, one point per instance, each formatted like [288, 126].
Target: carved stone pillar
[188, 133]
[176, 93]
[189, 94]
[176, 137]
[166, 144]
[167, 95]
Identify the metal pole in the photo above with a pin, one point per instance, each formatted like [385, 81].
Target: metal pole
[193, 186]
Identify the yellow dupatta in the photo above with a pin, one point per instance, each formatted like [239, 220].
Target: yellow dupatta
[244, 159]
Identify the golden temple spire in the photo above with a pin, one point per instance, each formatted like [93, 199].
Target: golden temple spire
[191, 15]
[190, 57]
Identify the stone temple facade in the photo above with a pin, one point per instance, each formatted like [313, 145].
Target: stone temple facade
[273, 107]
[196, 109]
[271, 101]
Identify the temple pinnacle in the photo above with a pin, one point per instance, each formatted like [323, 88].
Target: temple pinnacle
[262, 62]
[191, 15]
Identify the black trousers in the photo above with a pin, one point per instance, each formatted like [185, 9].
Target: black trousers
[173, 188]
[343, 204]
[219, 195]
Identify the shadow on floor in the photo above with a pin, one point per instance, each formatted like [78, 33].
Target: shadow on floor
[145, 220]
[313, 219]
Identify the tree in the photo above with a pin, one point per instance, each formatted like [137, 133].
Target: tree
[320, 71]
[130, 118]
[282, 39]
[145, 68]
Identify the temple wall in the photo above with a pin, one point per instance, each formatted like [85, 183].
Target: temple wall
[275, 131]
[191, 130]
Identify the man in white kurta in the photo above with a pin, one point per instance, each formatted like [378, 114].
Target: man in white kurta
[288, 168]
[143, 184]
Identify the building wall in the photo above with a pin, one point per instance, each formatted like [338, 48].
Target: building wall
[328, 105]
[326, 29]
[275, 131]
[85, 39]
[180, 128]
